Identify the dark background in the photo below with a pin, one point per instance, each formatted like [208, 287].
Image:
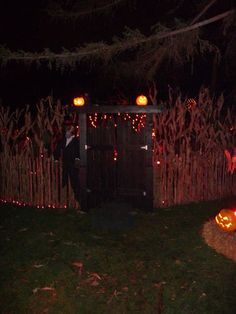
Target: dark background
[25, 25]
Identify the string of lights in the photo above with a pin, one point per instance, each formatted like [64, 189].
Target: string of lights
[137, 120]
[23, 203]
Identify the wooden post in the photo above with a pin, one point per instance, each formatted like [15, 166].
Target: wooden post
[149, 163]
[83, 161]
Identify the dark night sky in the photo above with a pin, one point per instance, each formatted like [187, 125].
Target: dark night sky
[25, 26]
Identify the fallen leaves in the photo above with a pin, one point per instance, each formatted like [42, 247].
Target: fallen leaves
[95, 276]
[39, 265]
[50, 233]
[44, 297]
[114, 295]
[23, 230]
[101, 290]
[203, 295]
[133, 279]
[70, 243]
[51, 290]
[92, 280]
[178, 262]
[139, 265]
[43, 289]
[78, 266]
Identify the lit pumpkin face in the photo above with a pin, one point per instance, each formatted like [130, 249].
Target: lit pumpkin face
[79, 101]
[141, 100]
[226, 219]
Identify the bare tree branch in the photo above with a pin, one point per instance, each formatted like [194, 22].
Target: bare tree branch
[203, 12]
[191, 27]
[101, 50]
[76, 13]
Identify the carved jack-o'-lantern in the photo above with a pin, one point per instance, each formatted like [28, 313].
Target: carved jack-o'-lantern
[226, 219]
[141, 100]
[79, 101]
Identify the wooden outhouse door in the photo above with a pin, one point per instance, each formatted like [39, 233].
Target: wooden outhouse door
[101, 166]
[134, 163]
[116, 159]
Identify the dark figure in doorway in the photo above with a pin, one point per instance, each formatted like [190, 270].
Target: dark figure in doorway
[68, 148]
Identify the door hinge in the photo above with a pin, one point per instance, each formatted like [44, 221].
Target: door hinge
[145, 147]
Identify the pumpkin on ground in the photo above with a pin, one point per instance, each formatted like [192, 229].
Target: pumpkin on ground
[226, 219]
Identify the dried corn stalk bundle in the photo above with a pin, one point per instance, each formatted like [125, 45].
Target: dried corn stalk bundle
[28, 173]
[189, 143]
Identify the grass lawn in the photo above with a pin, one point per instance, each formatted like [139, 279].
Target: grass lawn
[97, 263]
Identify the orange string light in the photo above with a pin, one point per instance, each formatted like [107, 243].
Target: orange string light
[137, 122]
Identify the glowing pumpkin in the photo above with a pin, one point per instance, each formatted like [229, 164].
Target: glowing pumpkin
[141, 100]
[226, 219]
[79, 101]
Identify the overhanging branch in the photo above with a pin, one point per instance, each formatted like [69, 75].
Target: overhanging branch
[75, 14]
[99, 50]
